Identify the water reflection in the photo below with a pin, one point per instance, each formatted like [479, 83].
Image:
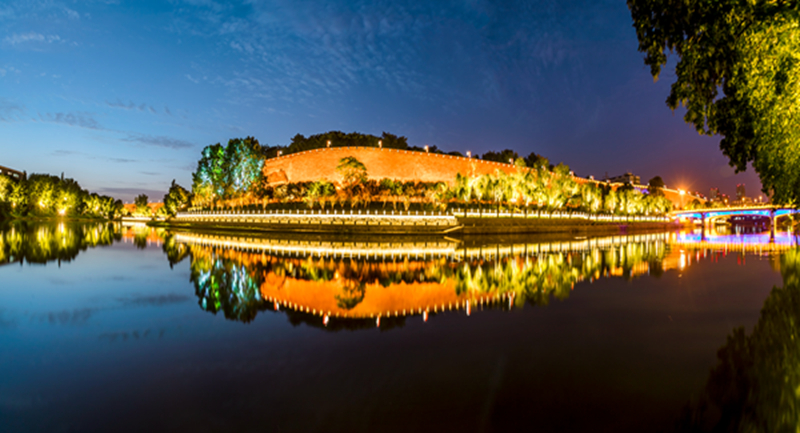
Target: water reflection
[335, 285]
[42, 243]
[756, 383]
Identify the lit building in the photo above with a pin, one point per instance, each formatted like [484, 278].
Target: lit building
[740, 192]
[713, 194]
[625, 178]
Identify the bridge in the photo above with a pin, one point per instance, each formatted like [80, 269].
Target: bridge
[14, 174]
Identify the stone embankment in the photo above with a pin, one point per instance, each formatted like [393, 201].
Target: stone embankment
[412, 223]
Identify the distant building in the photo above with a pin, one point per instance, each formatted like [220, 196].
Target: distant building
[625, 178]
[740, 192]
[713, 194]
[14, 174]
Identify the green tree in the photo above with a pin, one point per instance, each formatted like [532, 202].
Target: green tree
[353, 172]
[748, 51]
[176, 199]
[142, 209]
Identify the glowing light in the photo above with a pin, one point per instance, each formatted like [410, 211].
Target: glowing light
[469, 154]
[426, 148]
[681, 192]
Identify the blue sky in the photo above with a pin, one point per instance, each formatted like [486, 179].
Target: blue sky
[122, 96]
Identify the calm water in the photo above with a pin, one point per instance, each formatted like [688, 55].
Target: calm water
[111, 328]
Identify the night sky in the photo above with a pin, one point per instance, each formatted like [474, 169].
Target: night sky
[123, 95]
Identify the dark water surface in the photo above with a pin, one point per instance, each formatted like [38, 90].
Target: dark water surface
[111, 328]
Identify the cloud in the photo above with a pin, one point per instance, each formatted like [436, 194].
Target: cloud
[158, 141]
[132, 192]
[131, 106]
[62, 152]
[150, 173]
[78, 119]
[30, 37]
[10, 111]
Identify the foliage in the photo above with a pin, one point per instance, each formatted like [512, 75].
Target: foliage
[42, 195]
[301, 143]
[176, 199]
[227, 172]
[503, 156]
[750, 52]
[352, 170]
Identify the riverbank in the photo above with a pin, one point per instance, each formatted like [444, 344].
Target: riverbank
[413, 224]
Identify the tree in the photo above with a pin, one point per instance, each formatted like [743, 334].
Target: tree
[142, 208]
[177, 198]
[353, 172]
[656, 186]
[503, 156]
[748, 50]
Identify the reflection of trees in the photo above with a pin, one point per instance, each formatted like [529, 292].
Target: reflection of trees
[230, 280]
[352, 294]
[41, 243]
[223, 285]
[756, 384]
[174, 250]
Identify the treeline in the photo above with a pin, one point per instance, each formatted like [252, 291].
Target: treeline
[230, 176]
[43, 195]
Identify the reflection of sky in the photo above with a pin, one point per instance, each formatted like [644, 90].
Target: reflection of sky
[115, 340]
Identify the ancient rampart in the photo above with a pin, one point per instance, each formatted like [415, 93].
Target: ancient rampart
[403, 165]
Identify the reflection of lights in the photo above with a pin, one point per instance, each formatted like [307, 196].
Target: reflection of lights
[683, 260]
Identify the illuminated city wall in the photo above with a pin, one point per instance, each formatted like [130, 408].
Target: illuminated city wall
[319, 164]
[314, 165]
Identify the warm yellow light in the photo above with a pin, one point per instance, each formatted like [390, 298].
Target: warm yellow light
[469, 154]
[61, 212]
[681, 192]
[426, 148]
[41, 204]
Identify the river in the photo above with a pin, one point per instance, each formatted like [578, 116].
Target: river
[105, 327]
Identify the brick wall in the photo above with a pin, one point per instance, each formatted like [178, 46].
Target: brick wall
[394, 164]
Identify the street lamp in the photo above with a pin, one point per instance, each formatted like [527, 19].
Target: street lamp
[380, 144]
[426, 148]
[329, 143]
[469, 154]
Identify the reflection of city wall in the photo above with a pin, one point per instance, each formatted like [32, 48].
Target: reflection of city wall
[373, 280]
[434, 248]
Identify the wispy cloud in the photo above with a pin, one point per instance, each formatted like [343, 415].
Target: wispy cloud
[30, 37]
[76, 118]
[67, 153]
[144, 107]
[158, 141]
[10, 111]
[131, 192]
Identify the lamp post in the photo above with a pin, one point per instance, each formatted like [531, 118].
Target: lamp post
[469, 154]
[380, 144]
[329, 144]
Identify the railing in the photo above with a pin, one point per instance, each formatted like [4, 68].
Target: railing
[393, 215]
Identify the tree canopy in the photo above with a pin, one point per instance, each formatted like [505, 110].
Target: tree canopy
[738, 76]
